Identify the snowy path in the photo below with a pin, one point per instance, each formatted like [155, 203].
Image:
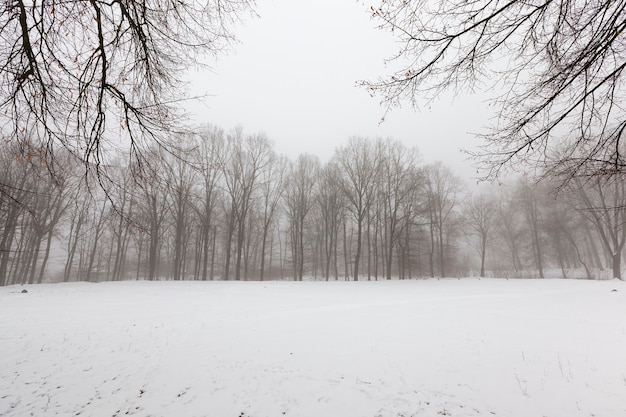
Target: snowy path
[381, 349]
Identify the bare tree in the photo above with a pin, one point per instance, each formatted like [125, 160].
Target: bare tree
[561, 64]
[152, 212]
[15, 192]
[557, 230]
[510, 228]
[124, 202]
[79, 74]
[331, 206]
[481, 217]
[299, 194]
[242, 162]
[82, 202]
[272, 187]
[605, 206]
[443, 193]
[397, 183]
[358, 163]
[571, 221]
[211, 143]
[529, 197]
[93, 240]
[180, 179]
[46, 204]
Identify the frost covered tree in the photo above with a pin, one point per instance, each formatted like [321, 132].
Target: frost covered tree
[559, 64]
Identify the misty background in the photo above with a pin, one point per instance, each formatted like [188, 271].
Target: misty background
[293, 75]
[288, 172]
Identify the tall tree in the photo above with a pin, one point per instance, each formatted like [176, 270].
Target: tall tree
[529, 198]
[605, 206]
[331, 206]
[242, 162]
[444, 193]
[272, 187]
[299, 197]
[180, 179]
[211, 144]
[397, 183]
[481, 217]
[510, 228]
[81, 205]
[152, 213]
[16, 180]
[358, 163]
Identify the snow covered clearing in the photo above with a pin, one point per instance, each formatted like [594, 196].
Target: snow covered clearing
[367, 349]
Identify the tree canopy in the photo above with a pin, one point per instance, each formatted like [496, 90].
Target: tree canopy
[559, 63]
[80, 74]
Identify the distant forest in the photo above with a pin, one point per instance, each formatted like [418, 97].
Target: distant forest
[221, 205]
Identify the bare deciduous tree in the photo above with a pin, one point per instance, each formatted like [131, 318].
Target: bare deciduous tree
[211, 143]
[397, 183]
[299, 195]
[605, 207]
[180, 179]
[153, 208]
[80, 74]
[529, 197]
[272, 187]
[331, 205]
[481, 217]
[560, 63]
[443, 194]
[242, 163]
[510, 228]
[358, 164]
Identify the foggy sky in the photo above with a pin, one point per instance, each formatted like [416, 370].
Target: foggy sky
[293, 76]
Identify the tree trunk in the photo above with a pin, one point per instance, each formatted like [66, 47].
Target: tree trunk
[45, 258]
[483, 252]
[357, 257]
[263, 242]
[5, 246]
[35, 258]
[345, 254]
[431, 255]
[441, 254]
[72, 251]
[617, 264]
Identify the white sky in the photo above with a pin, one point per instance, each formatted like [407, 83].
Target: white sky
[293, 77]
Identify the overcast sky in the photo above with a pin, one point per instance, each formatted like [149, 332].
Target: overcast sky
[293, 77]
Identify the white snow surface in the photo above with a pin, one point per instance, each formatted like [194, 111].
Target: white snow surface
[468, 347]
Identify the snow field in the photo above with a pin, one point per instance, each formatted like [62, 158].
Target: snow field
[465, 347]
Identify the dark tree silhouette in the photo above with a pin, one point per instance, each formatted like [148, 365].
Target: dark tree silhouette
[85, 73]
[560, 64]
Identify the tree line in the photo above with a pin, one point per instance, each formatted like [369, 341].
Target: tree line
[224, 205]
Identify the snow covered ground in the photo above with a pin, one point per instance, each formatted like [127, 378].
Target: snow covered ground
[340, 349]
